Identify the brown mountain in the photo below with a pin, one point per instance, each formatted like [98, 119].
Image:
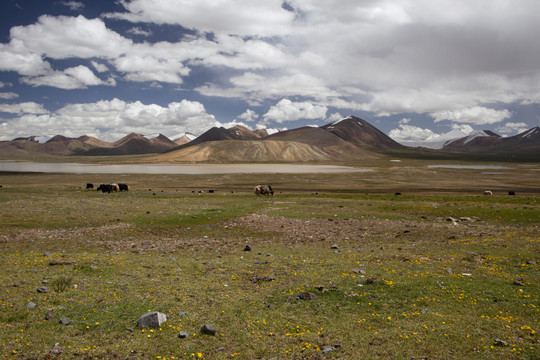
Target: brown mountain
[245, 151]
[474, 142]
[237, 132]
[348, 139]
[487, 142]
[135, 144]
[336, 147]
[362, 134]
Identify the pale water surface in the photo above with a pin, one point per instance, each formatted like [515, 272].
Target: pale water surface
[190, 169]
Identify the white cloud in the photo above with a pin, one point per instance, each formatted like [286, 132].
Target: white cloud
[139, 31]
[240, 17]
[8, 95]
[512, 128]
[99, 66]
[23, 108]
[286, 110]
[411, 133]
[248, 116]
[65, 37]
[109, 120]
[78, 77]
[151, 68]
[73, 5]
[477, 115]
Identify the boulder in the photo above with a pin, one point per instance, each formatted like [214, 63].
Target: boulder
[208, 330]
[151, 320]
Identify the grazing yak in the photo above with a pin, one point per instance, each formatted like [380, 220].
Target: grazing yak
[263, 190]
[107, 188]
[123, 187]
[89, 186]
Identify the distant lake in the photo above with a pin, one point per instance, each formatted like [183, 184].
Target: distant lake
[190, 169]
[477, 167]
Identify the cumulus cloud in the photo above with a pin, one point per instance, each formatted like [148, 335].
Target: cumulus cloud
[23, 108]
[477, 115]
[99, 66]
[411, 133]
[108, 119]
[79, 37]
[248, 116]
[512, 128]
[78, 77]
[241, 17]
[286, 110]
[8, 95]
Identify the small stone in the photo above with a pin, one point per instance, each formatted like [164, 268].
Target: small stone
[531, 262]
[219, 349]
[49, 316]
[425, 258]
[47, 254]
[358, 271]
[64, 321]
[518, 282]
[208, 330]
[151, 320]
[182, 314]
[500, 342]
[56, 349]
[183, 335]
[448, 270]
[371, 280]
[42, 289]
[307, 296]
[30, 305]
[326, 349]
[335, 247]
[93, 267]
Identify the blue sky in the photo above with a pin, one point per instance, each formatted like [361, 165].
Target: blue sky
[412, 68]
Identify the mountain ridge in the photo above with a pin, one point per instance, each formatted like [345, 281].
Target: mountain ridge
[348, 139]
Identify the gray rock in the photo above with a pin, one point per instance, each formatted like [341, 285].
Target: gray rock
[500, 342]
[47, 254]
[327, 349]
[182, 314]
[56, 349]
[151, 320]
[531, 262]
[518, 282]
[448, 270]
[30, 305]
[49, 316]
[42, 289]
[64, 321]
[307, 296]
[183, 335]
[335, 246]
[208, 330]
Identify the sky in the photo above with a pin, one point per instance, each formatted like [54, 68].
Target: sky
[415, 69]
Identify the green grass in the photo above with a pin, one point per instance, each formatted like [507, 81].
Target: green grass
[441, 291]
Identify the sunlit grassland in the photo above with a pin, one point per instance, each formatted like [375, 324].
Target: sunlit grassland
[438, 290]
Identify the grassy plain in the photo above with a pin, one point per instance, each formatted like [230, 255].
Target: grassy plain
[393, 278]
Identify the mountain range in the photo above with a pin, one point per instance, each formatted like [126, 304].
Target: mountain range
[349, 139]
